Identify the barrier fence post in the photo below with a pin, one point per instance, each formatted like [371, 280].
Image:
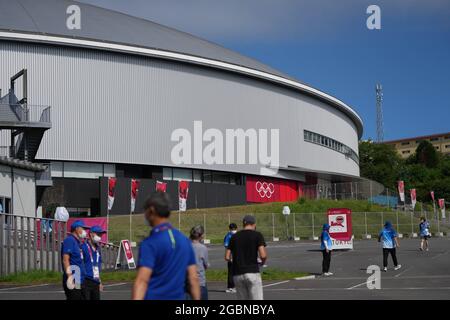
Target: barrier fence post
[295, 233]
[365, 222]
[22, 244]
[412, 227]
[41, 244]
[28, 244]
[273, 226]
[398, 226]
[8, 245]
[204, 225]
[2, 244]
[16, 240]
[312, 221]
[35, 244]
[229, 218]
[47, 245]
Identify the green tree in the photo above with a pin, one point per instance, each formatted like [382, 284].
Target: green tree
[426, 154]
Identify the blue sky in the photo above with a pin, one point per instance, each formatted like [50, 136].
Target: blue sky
[326, 44]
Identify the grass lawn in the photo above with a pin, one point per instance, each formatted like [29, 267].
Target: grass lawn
[40, 277]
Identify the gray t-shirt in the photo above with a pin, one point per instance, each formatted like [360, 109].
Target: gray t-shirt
[201, 256]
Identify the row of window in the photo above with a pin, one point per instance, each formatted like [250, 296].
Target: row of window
[81, 170]
[331, 143]
[407, 143]
[204, 176]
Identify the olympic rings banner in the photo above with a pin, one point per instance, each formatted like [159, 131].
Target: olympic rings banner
[263, 189]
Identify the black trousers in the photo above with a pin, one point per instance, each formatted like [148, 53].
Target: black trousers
[91, 289]
[326, 261]
[74, 294]
[230, 281]
[386, 252]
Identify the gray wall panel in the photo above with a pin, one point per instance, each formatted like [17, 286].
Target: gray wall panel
[111, 107]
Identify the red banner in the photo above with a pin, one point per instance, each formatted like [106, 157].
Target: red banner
[441, 203]
[401, 190]
[111, 189]
[161, 186]
[134, 191]
[264, 189]
[432, 195]
[183, 190]
[413, 198]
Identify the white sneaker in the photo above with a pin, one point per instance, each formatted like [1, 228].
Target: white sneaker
[385, 269]
[327, 274]
[397, 267]
[230, 290]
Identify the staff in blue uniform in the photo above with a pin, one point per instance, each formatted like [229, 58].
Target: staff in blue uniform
[226, 241]
[425, 234]
[93, 263]
[326, 245]
[389, 238]
[166, 258]
[73, 262]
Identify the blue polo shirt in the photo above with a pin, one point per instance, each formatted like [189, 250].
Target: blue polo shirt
[387, 236]
[72, 246]
[325, 239]
[168, 253]
[92, 258]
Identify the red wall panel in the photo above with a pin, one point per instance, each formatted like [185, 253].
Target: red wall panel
[264, 189]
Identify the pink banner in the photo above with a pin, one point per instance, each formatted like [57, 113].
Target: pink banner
[134, 192]
[401, 190]
[90, 222]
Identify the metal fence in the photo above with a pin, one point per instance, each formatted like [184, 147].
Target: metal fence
[275, 226]
[28, 243]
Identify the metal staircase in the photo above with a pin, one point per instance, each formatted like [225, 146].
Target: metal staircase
[27, 123]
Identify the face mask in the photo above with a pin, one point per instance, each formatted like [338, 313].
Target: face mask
[96, 239]
[233, 231]
[83, 234]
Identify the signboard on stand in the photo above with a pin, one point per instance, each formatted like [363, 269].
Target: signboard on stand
[340, 221]
[125, 246]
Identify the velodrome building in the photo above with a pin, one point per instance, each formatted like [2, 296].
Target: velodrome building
[120, 86]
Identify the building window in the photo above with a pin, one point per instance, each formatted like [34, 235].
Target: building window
[109, 170]
[182, 174]
[197, 176]
[447, 146]
[405, 143]
[207, 177]
[56, 169]
[406, 152]
[434, 139]
[330, 143]
[167, 173]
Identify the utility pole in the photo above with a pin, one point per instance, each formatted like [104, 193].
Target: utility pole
[379, 104]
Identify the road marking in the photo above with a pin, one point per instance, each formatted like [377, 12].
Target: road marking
[306, 277]
[114, 285]
[398, 275]
[24, 287]
[358, 285]
[276, 283]
[440, 254]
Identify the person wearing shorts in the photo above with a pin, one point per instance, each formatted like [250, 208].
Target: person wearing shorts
[425, 234]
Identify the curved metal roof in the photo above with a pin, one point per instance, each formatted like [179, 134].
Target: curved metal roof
[48, 18]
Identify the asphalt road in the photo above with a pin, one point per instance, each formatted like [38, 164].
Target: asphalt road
[424, 275]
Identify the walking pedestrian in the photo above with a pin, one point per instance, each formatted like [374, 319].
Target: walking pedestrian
[326, 246]
[93, 263]
[425, 234]
[226, 241]
[201, 256]
[166, 258]
[72, 260]
[243, 249]
[389, 238]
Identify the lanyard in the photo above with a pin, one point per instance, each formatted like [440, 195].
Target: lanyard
[79, 246]
[90, 254]
[169, 228]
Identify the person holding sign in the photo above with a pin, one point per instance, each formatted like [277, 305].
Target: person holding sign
[93, 263]
[166, 258]
[326, 248]
[73, 262]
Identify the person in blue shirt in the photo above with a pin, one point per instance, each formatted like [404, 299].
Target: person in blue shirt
[425, 234]
[72, 260]
[93, 263]
[166, 258]
[326, 245]
[389, 239]
[226, 241]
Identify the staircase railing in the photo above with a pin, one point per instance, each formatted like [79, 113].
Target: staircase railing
[25, 113]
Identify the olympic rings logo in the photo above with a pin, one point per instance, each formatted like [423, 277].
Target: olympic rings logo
[265, 189]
